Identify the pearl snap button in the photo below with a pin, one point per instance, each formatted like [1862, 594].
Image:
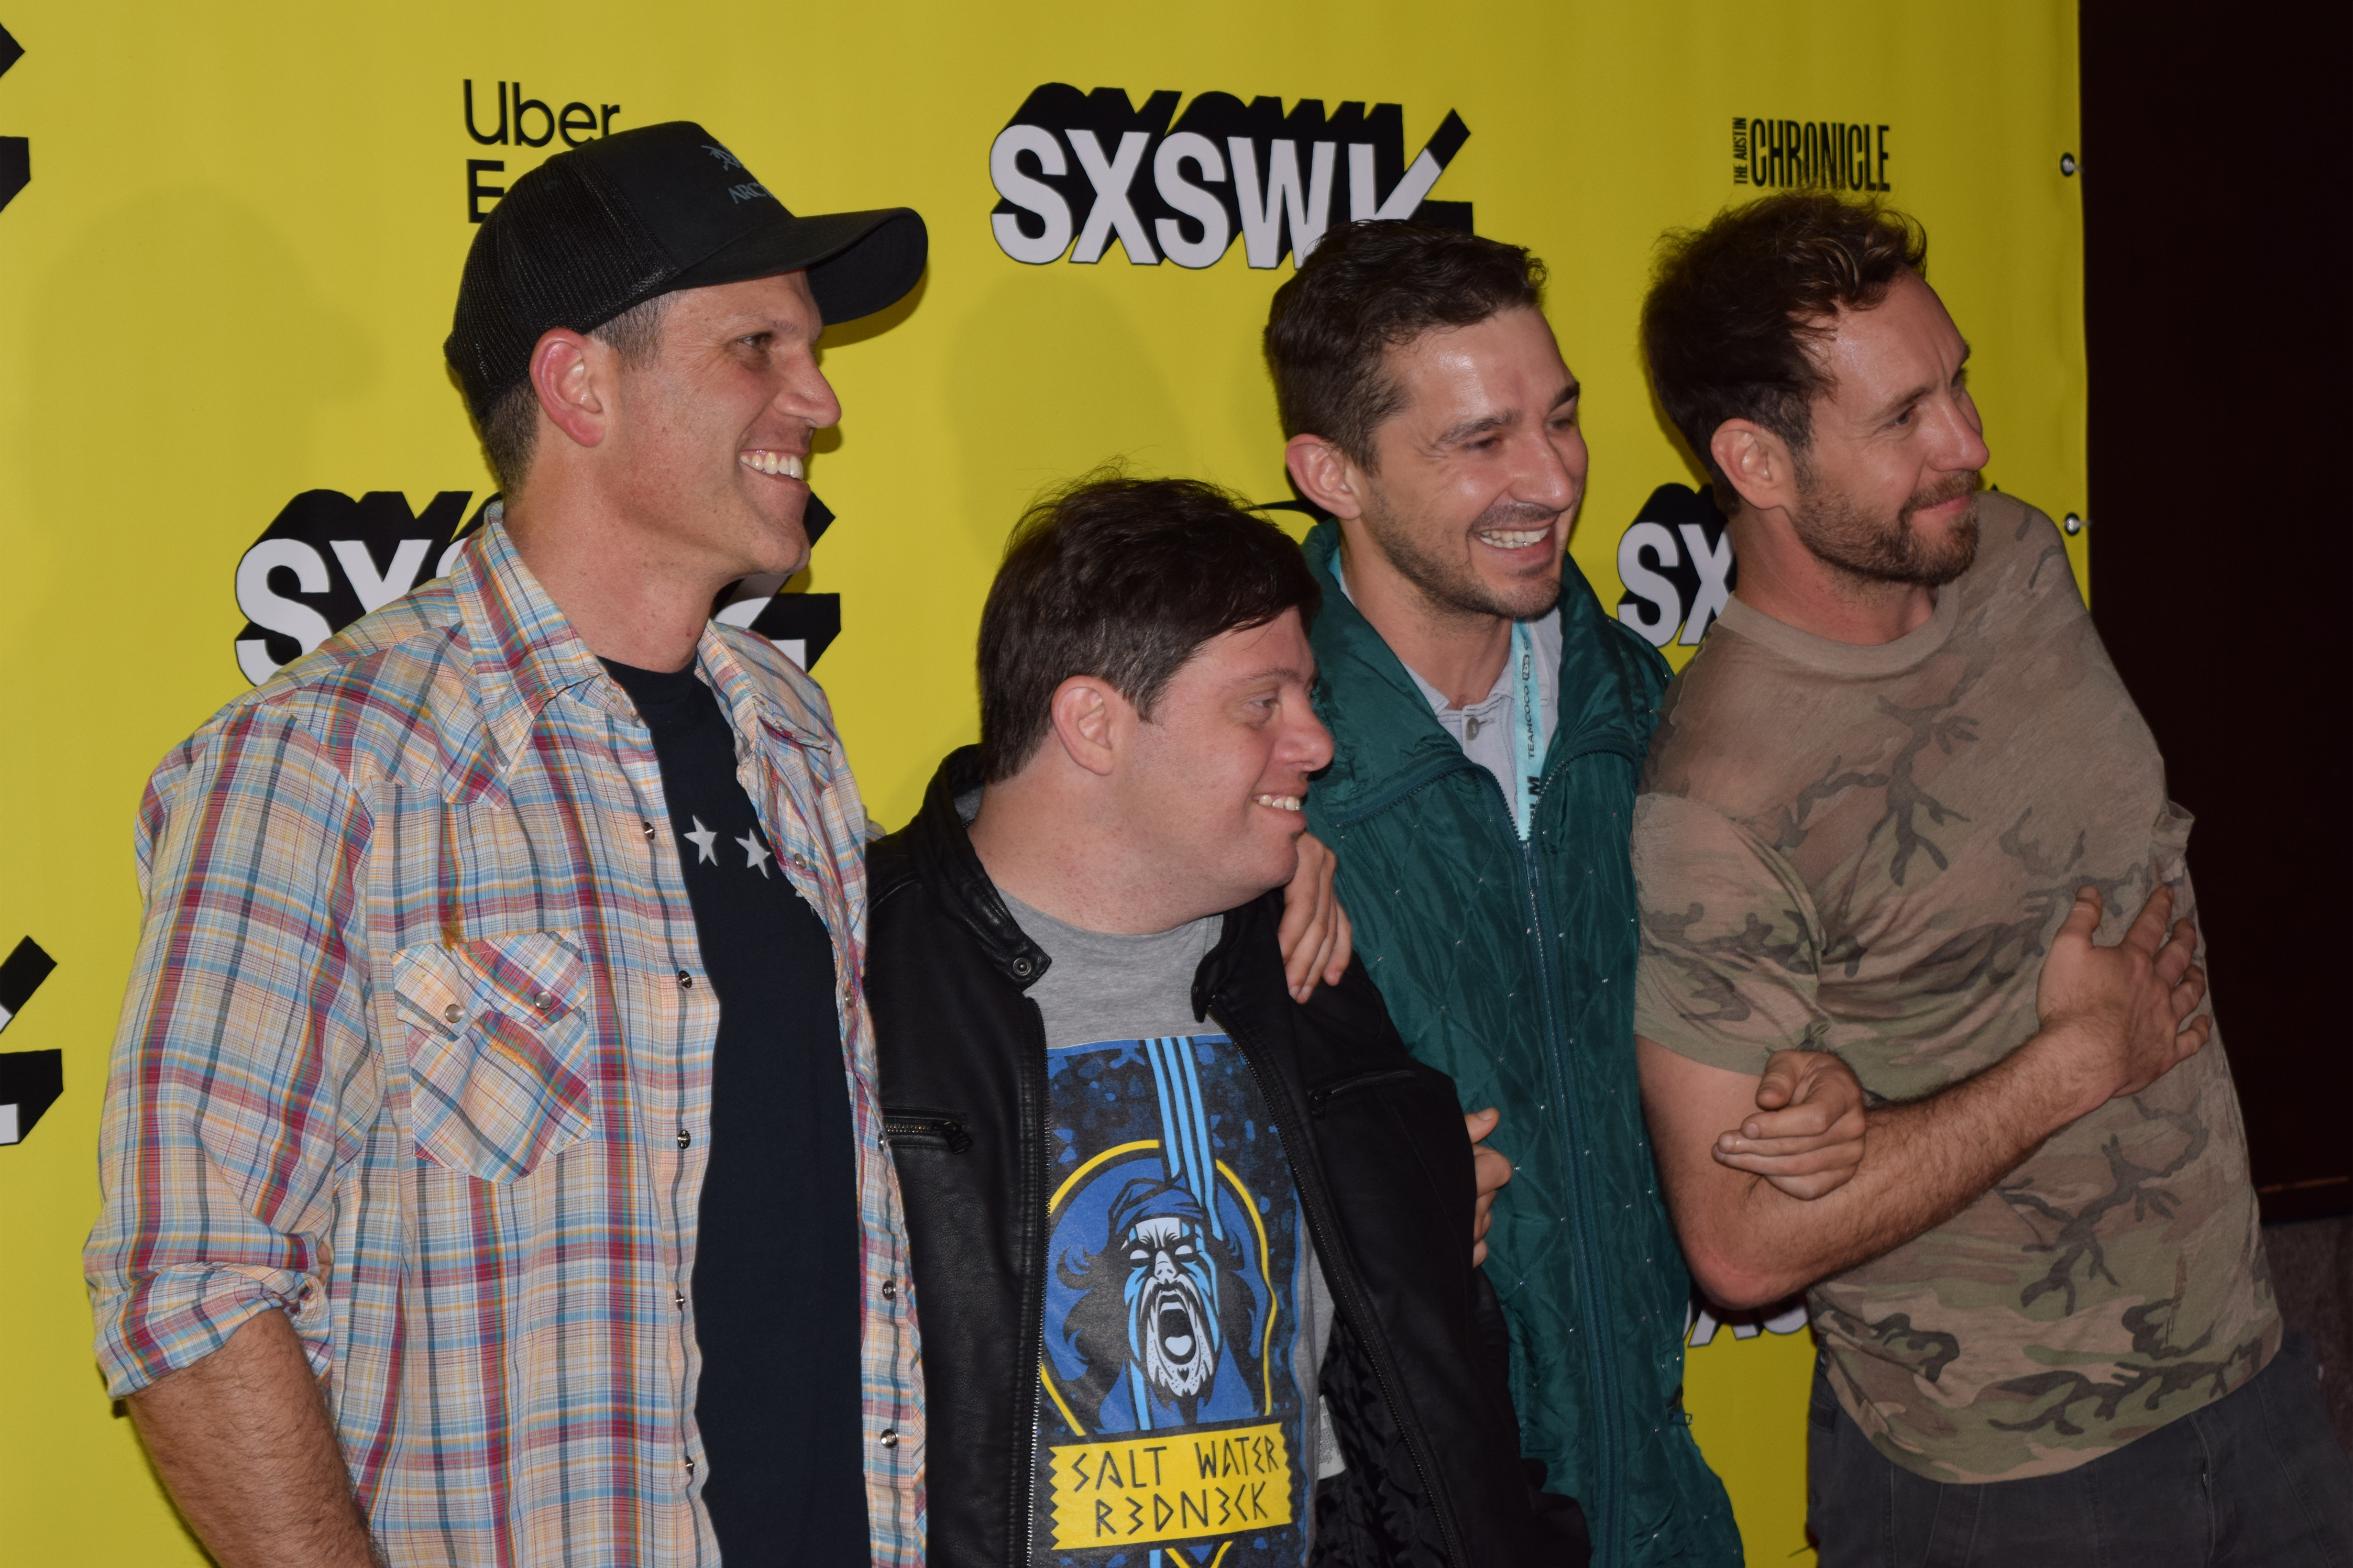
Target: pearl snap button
[452, 1013]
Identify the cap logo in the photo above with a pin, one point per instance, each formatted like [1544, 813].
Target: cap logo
[726, 159]
[750, 191]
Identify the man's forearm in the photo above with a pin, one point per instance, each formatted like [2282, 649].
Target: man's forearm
[243, 1443]
[1923, 1162]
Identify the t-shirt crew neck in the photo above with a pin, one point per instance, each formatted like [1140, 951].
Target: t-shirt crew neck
[774, 1284]
[1868, 660]
[1867, 850]
[1174, 1226]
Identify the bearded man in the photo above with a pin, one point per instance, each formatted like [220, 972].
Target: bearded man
[1898, 774]
[1489, 719]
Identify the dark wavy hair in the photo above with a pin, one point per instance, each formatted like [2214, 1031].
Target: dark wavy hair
[1365, 288]
[1122, 579]
[1735, 307]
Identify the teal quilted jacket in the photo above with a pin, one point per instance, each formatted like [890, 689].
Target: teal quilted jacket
[1511, 968]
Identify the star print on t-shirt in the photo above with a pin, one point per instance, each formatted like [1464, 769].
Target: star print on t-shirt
[755, 854]
[703, 838]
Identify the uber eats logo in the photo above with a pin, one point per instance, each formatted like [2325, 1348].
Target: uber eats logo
[1079, 172]
[522, 121]
[328, 559]
[1675, 559]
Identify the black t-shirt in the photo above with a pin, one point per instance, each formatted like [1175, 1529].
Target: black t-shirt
[775, 1283]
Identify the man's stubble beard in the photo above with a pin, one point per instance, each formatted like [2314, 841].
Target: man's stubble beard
[1450, 587]
[1837, 534]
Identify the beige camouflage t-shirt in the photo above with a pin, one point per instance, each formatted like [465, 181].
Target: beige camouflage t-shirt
[1866, 850]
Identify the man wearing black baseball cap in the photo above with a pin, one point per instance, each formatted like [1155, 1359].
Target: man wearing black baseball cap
[493, 1167]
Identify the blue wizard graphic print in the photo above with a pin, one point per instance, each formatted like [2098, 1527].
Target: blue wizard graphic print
[1171, 1436]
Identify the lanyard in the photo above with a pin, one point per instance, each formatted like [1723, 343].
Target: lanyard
[1529, 721]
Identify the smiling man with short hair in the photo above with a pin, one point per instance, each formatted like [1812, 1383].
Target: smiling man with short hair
[491, 1157]
[1489, 719]
[1196, 1258]
[1888, 805]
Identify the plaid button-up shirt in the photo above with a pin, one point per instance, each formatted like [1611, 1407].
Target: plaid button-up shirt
[417, 1051]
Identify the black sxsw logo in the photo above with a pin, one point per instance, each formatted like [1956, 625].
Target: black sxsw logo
[1675, 559]
[1076, 171]
[328, 559]
[15, 152]
[30, 1081]
[1775, 153]
[577, 123]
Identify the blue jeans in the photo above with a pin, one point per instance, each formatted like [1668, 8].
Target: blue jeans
[2255, 1478]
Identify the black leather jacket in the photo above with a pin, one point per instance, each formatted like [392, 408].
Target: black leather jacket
[1415, 1373]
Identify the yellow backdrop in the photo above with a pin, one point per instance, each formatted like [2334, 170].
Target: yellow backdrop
[226, 283]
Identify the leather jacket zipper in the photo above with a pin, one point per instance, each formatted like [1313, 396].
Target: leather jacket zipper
[1317, 1099]
[1035, 1108]
[1343, 1286]
[908, 1129]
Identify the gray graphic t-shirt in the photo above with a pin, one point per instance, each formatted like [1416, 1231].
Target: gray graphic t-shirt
[1867, 850]
[1186, 1317]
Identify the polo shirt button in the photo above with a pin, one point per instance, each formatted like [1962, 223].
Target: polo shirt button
[685, 981]
[649, 833]
[889, 1439]
[889, 1289]
[685, 1138]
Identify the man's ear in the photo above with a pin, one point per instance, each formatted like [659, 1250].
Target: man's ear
[1757, 462]
[1089, 721]
[567, 371]
[1325, 475]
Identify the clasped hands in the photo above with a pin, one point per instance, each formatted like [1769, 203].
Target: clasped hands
[1805, 1138]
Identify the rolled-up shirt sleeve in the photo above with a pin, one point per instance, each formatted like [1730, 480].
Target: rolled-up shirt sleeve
[241, 1085]
[1731, 956]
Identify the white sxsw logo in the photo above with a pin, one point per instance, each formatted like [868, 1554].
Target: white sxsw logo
[272, 610]
[1264, 206]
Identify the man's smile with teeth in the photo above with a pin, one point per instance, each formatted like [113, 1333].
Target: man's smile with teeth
[1512, 538]
[782, 463]
[1280, 801]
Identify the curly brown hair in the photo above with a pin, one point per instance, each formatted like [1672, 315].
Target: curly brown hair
[1365, 289]
[1735, 307]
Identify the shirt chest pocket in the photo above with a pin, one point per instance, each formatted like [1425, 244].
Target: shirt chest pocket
[499, 1042]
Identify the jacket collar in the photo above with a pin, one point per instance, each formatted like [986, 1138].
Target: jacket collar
[1384, 730]
[523, 653]
[950, 867]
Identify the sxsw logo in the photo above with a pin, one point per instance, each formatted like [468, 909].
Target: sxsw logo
[1076, 172]
[1675, 559]
[15, 152]
[328, 559]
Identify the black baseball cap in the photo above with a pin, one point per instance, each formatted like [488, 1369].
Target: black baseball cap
[607, 225]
